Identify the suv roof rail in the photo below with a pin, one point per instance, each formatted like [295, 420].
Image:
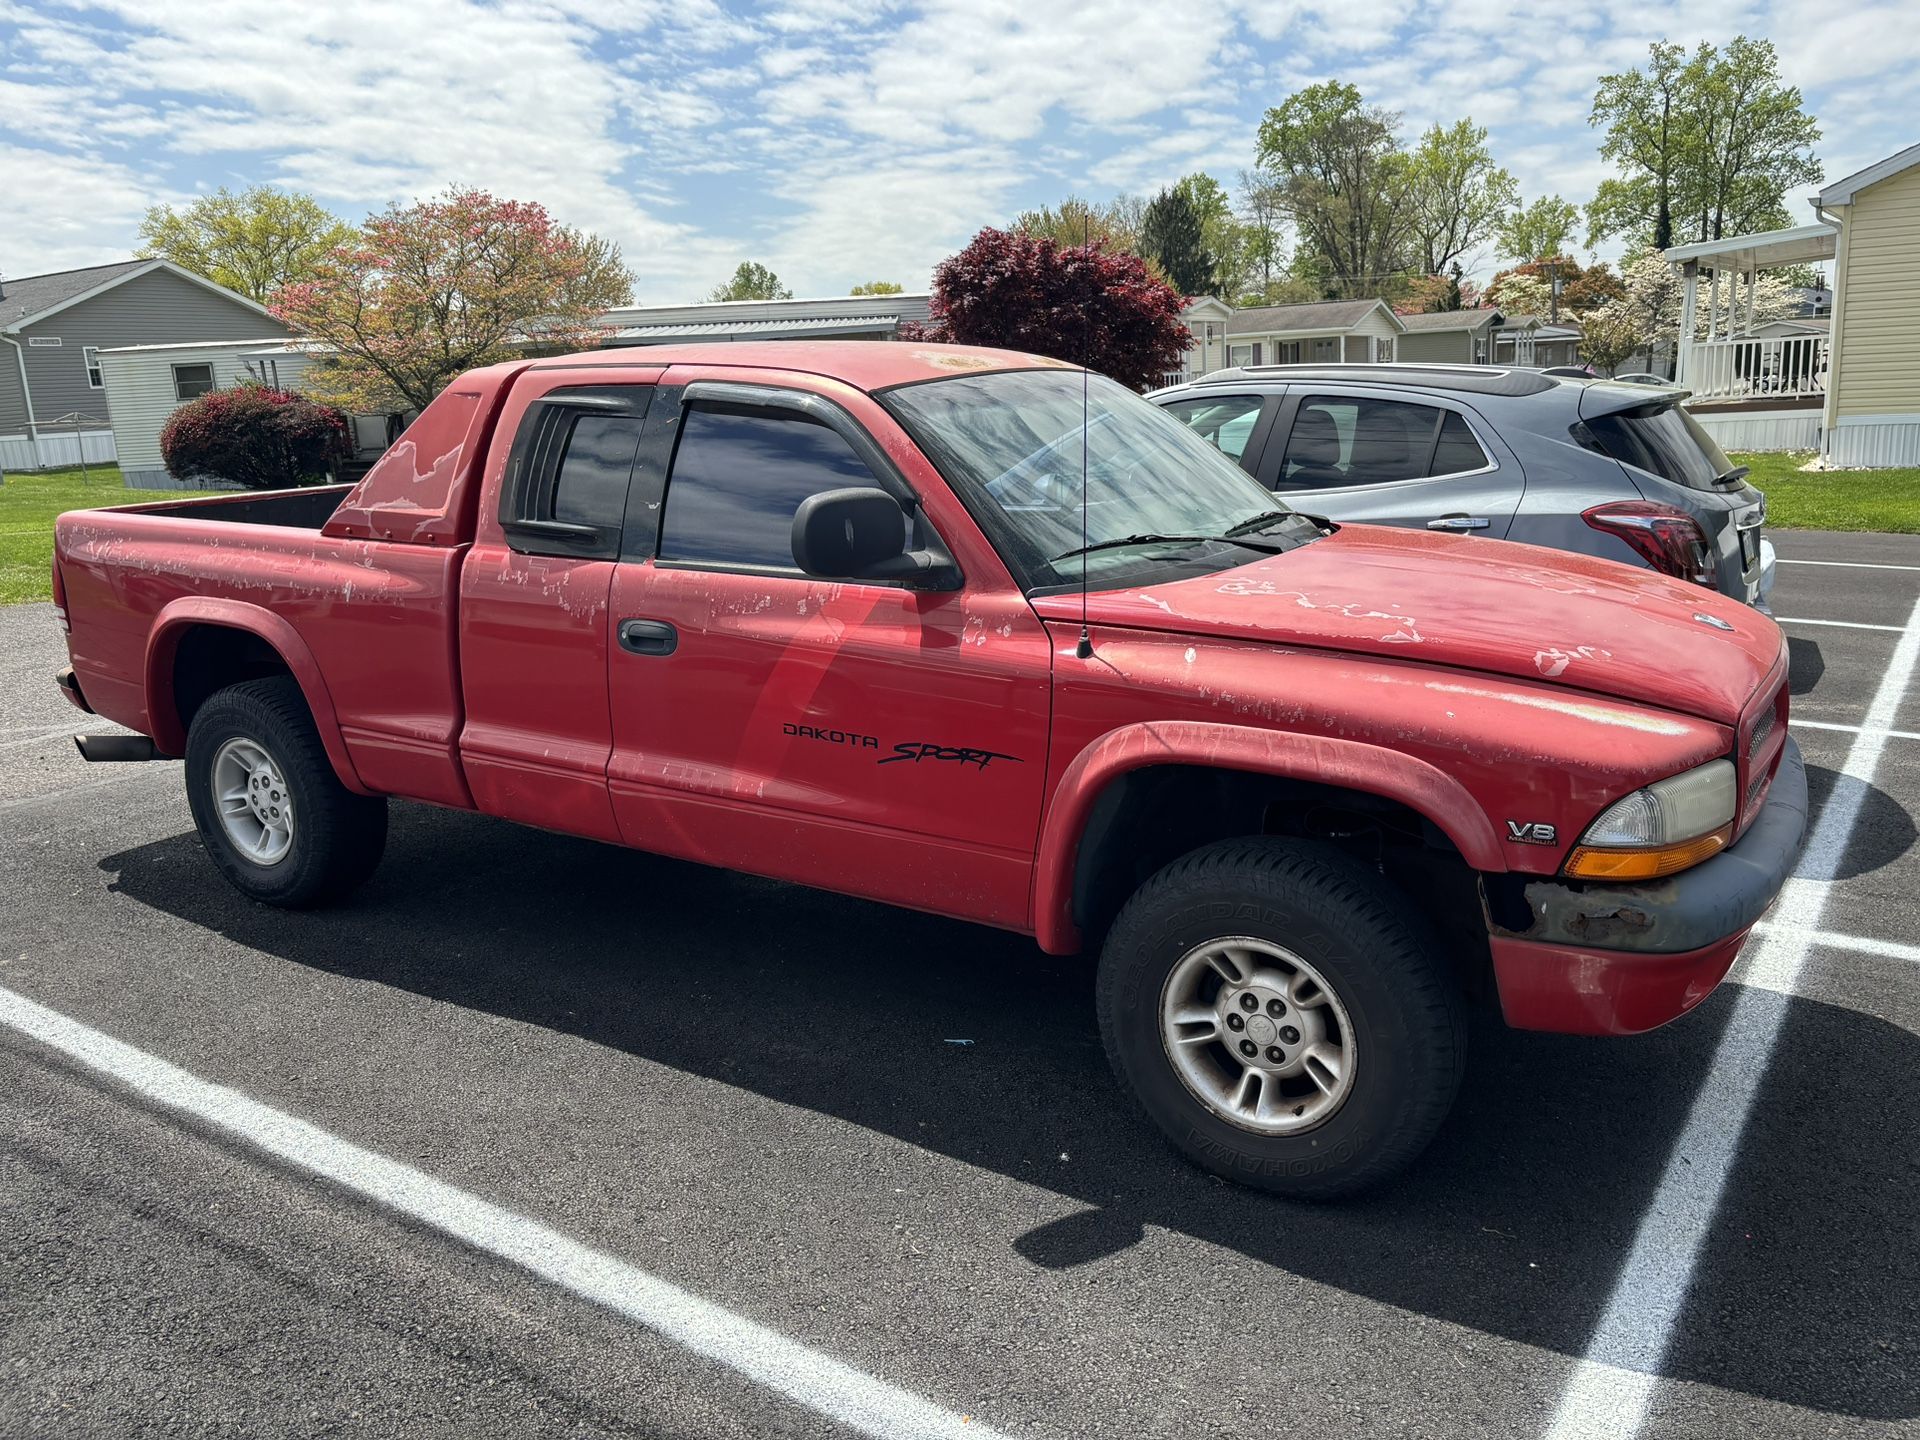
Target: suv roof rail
[1473, 379]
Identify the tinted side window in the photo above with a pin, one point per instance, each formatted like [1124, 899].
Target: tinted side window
[1224, 421]
[1458, 451]
[590, 486]
[737, 479]
[1354, 440]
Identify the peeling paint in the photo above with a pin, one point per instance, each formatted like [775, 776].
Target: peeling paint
[1579, 709]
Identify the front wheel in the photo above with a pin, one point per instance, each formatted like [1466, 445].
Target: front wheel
[1282, 1017]
[271, 812]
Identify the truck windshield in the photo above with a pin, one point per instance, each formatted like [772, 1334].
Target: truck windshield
[1015, 445]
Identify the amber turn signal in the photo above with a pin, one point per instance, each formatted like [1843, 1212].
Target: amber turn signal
[1591, 862]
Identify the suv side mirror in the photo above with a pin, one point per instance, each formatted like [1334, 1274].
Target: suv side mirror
[860, 533]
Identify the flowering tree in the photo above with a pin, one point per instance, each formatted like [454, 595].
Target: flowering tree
[1082, 303]
[263, 439]
[431, 289]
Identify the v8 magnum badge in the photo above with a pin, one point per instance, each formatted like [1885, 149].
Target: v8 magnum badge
[1532, 832]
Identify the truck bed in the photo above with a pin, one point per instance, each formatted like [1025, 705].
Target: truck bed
[304, 509]
[155, 595]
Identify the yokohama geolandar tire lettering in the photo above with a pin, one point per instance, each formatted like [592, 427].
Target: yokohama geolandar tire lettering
[336, 836]
[1289, 962]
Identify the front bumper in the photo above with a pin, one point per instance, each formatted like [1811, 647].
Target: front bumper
[1619, 959]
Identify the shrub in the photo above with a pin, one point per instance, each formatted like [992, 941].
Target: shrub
[257, 437]
[1080, 303]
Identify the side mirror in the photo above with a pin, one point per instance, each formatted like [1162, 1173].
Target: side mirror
[860, 533]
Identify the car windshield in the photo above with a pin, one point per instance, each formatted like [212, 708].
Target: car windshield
[1016, 443]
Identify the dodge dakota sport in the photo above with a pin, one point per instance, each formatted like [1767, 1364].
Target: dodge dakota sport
[986, 635]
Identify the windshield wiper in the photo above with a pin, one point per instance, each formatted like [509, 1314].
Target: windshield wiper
[1152, 539]
[1733, 476]
[1260, 522]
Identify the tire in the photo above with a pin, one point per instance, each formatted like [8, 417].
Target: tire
[332, 838]
[1377, 1023]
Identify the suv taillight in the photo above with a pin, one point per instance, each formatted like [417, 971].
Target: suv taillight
[1665, 536]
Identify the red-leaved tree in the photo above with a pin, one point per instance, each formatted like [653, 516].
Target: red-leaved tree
[434, 288]
[260, 438]
[1081, 303]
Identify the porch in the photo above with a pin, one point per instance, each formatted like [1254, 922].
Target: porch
[1728, 354]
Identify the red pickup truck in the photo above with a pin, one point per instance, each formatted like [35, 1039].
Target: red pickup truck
[977, 633]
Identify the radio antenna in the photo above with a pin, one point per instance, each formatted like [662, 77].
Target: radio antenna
[1084, 650]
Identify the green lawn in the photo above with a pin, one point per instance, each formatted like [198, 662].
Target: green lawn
[1837, 499]
[28, 503]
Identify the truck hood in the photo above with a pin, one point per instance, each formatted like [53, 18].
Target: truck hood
[1472, 604]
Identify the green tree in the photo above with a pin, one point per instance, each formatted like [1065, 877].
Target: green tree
[1115, 225]
[1171, 237]
[876, 287]
[1538, 231]
[1649, 137]
[1261, 216]
[1342, 180]
[1708, 145]
[252, 243]
[752, 281]
[1458, 195]
[1226, 238]
[1756, 140]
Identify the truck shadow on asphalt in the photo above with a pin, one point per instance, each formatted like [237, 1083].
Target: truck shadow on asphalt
[1515, 1223]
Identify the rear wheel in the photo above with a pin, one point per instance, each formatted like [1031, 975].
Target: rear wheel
[270, 810]
[1282, 1017]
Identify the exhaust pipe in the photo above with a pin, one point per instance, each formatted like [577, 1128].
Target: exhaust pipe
[115, 748]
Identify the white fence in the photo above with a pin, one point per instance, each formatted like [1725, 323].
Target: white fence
[54, 452]
[1758, 368]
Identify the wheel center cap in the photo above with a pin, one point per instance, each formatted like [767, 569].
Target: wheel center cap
[1261, 1030]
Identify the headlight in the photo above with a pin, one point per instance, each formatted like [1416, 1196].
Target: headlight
[1664, 828]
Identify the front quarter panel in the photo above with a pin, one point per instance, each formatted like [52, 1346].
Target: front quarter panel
[1482, 757]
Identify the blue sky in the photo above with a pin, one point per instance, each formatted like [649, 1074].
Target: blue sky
[835, 140]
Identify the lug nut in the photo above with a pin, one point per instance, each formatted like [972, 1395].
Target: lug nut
[1249, 1049]
[1276, 1054]
[1234, 1022]
[1247, 1002]
[1289, 1034]
[1276, 1007]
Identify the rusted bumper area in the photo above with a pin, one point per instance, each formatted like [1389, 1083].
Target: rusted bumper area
[70, 687]
[1618, 959]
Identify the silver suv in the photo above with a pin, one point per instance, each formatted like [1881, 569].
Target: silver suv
[1591, 466]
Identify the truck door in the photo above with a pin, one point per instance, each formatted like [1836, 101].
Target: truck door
[534, 636]
[871, 737]
[1379, 458]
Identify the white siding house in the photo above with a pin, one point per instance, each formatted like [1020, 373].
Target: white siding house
[144, 384]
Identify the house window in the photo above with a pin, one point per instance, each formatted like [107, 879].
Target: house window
[1240, 355]
[190, 382]
[91, 354]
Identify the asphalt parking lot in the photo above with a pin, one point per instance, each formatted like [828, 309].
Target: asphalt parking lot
[739, 1110]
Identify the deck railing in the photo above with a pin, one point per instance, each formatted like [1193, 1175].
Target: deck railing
[1756, 368]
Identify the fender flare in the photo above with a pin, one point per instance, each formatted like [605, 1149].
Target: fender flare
[163, 645]
[1353, 764]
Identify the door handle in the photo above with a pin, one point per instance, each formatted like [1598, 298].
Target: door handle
[648, 637]
[1459, 522]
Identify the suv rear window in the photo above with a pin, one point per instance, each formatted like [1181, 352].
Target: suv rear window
[1663, 440]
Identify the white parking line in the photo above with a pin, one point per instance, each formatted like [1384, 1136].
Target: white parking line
[1796, 723]
[1608, 1394]
[1838, 624]
[803, 1374]
[1858, 944]
[1845, 564]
